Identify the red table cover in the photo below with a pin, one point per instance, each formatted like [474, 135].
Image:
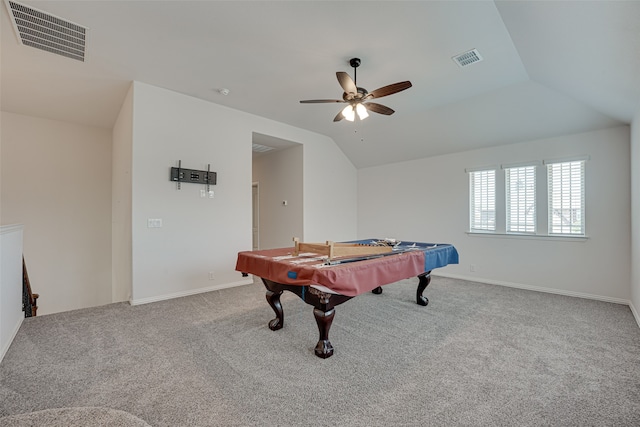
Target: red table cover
[351, 279]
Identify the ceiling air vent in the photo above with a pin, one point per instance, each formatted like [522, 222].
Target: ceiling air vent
[259, 148]
[38, 29]
[468, 58]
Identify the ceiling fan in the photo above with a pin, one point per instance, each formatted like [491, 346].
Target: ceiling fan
[358, 97]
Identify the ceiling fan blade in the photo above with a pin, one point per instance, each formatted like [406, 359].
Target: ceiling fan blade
[346, 82]
[389, 90]
[338, 117]
[379, 108]
[319, 101]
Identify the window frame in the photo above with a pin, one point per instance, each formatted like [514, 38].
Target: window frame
[486, 200]
[543, 204]
[529, 172]
[567, 184]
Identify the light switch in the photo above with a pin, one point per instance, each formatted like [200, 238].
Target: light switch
[154, 223]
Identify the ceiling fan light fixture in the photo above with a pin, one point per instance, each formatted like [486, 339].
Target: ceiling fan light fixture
[362, 111]
[348, 113]
[358, 98]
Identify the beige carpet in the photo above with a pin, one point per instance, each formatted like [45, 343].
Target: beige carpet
[65, 417]
[477, 355]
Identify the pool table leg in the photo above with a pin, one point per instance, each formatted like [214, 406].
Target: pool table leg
[273, 298]
[423, 282]
[324, 319]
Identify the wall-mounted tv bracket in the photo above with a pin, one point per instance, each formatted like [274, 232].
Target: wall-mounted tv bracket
[180, 175]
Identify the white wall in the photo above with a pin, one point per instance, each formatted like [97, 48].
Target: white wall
[330, 193]
[121, 204]
[635, 218]
[11, 315]
[56, 181]
[428, 200]
[279, 177]
[200, 235]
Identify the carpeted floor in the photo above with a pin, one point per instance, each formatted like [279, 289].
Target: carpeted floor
[65, 417]
[477, 355]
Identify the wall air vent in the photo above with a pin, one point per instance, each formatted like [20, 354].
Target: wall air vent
[38, 29]
[467, 58]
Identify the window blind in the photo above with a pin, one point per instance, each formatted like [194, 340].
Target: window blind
[566, 197]
[483, 200]
[521, 199]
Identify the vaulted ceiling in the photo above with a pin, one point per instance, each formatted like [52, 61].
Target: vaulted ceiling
[548, 68]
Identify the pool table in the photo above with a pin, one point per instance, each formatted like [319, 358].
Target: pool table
[325, 283]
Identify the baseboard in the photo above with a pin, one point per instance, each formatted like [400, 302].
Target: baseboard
[6, 345]
[635, 313]
[247, 281]
[537, 289]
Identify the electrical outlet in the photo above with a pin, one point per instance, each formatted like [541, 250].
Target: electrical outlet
[472, 268]
[212, 276]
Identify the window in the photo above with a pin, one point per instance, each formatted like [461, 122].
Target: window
[483, 200]
[566, 197]
[522, 208]
[520, 183]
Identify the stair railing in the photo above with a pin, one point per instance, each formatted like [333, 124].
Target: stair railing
[29, 299]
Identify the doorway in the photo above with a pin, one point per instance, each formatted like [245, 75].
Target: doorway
[277, 190]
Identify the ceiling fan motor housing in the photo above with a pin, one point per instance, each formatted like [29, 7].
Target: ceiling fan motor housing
[362, 93]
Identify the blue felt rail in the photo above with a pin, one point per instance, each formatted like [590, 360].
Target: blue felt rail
[436, 255]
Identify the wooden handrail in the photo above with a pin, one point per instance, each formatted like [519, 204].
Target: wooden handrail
[29, 299]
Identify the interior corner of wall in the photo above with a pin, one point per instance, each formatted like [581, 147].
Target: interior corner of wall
[635, 313]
